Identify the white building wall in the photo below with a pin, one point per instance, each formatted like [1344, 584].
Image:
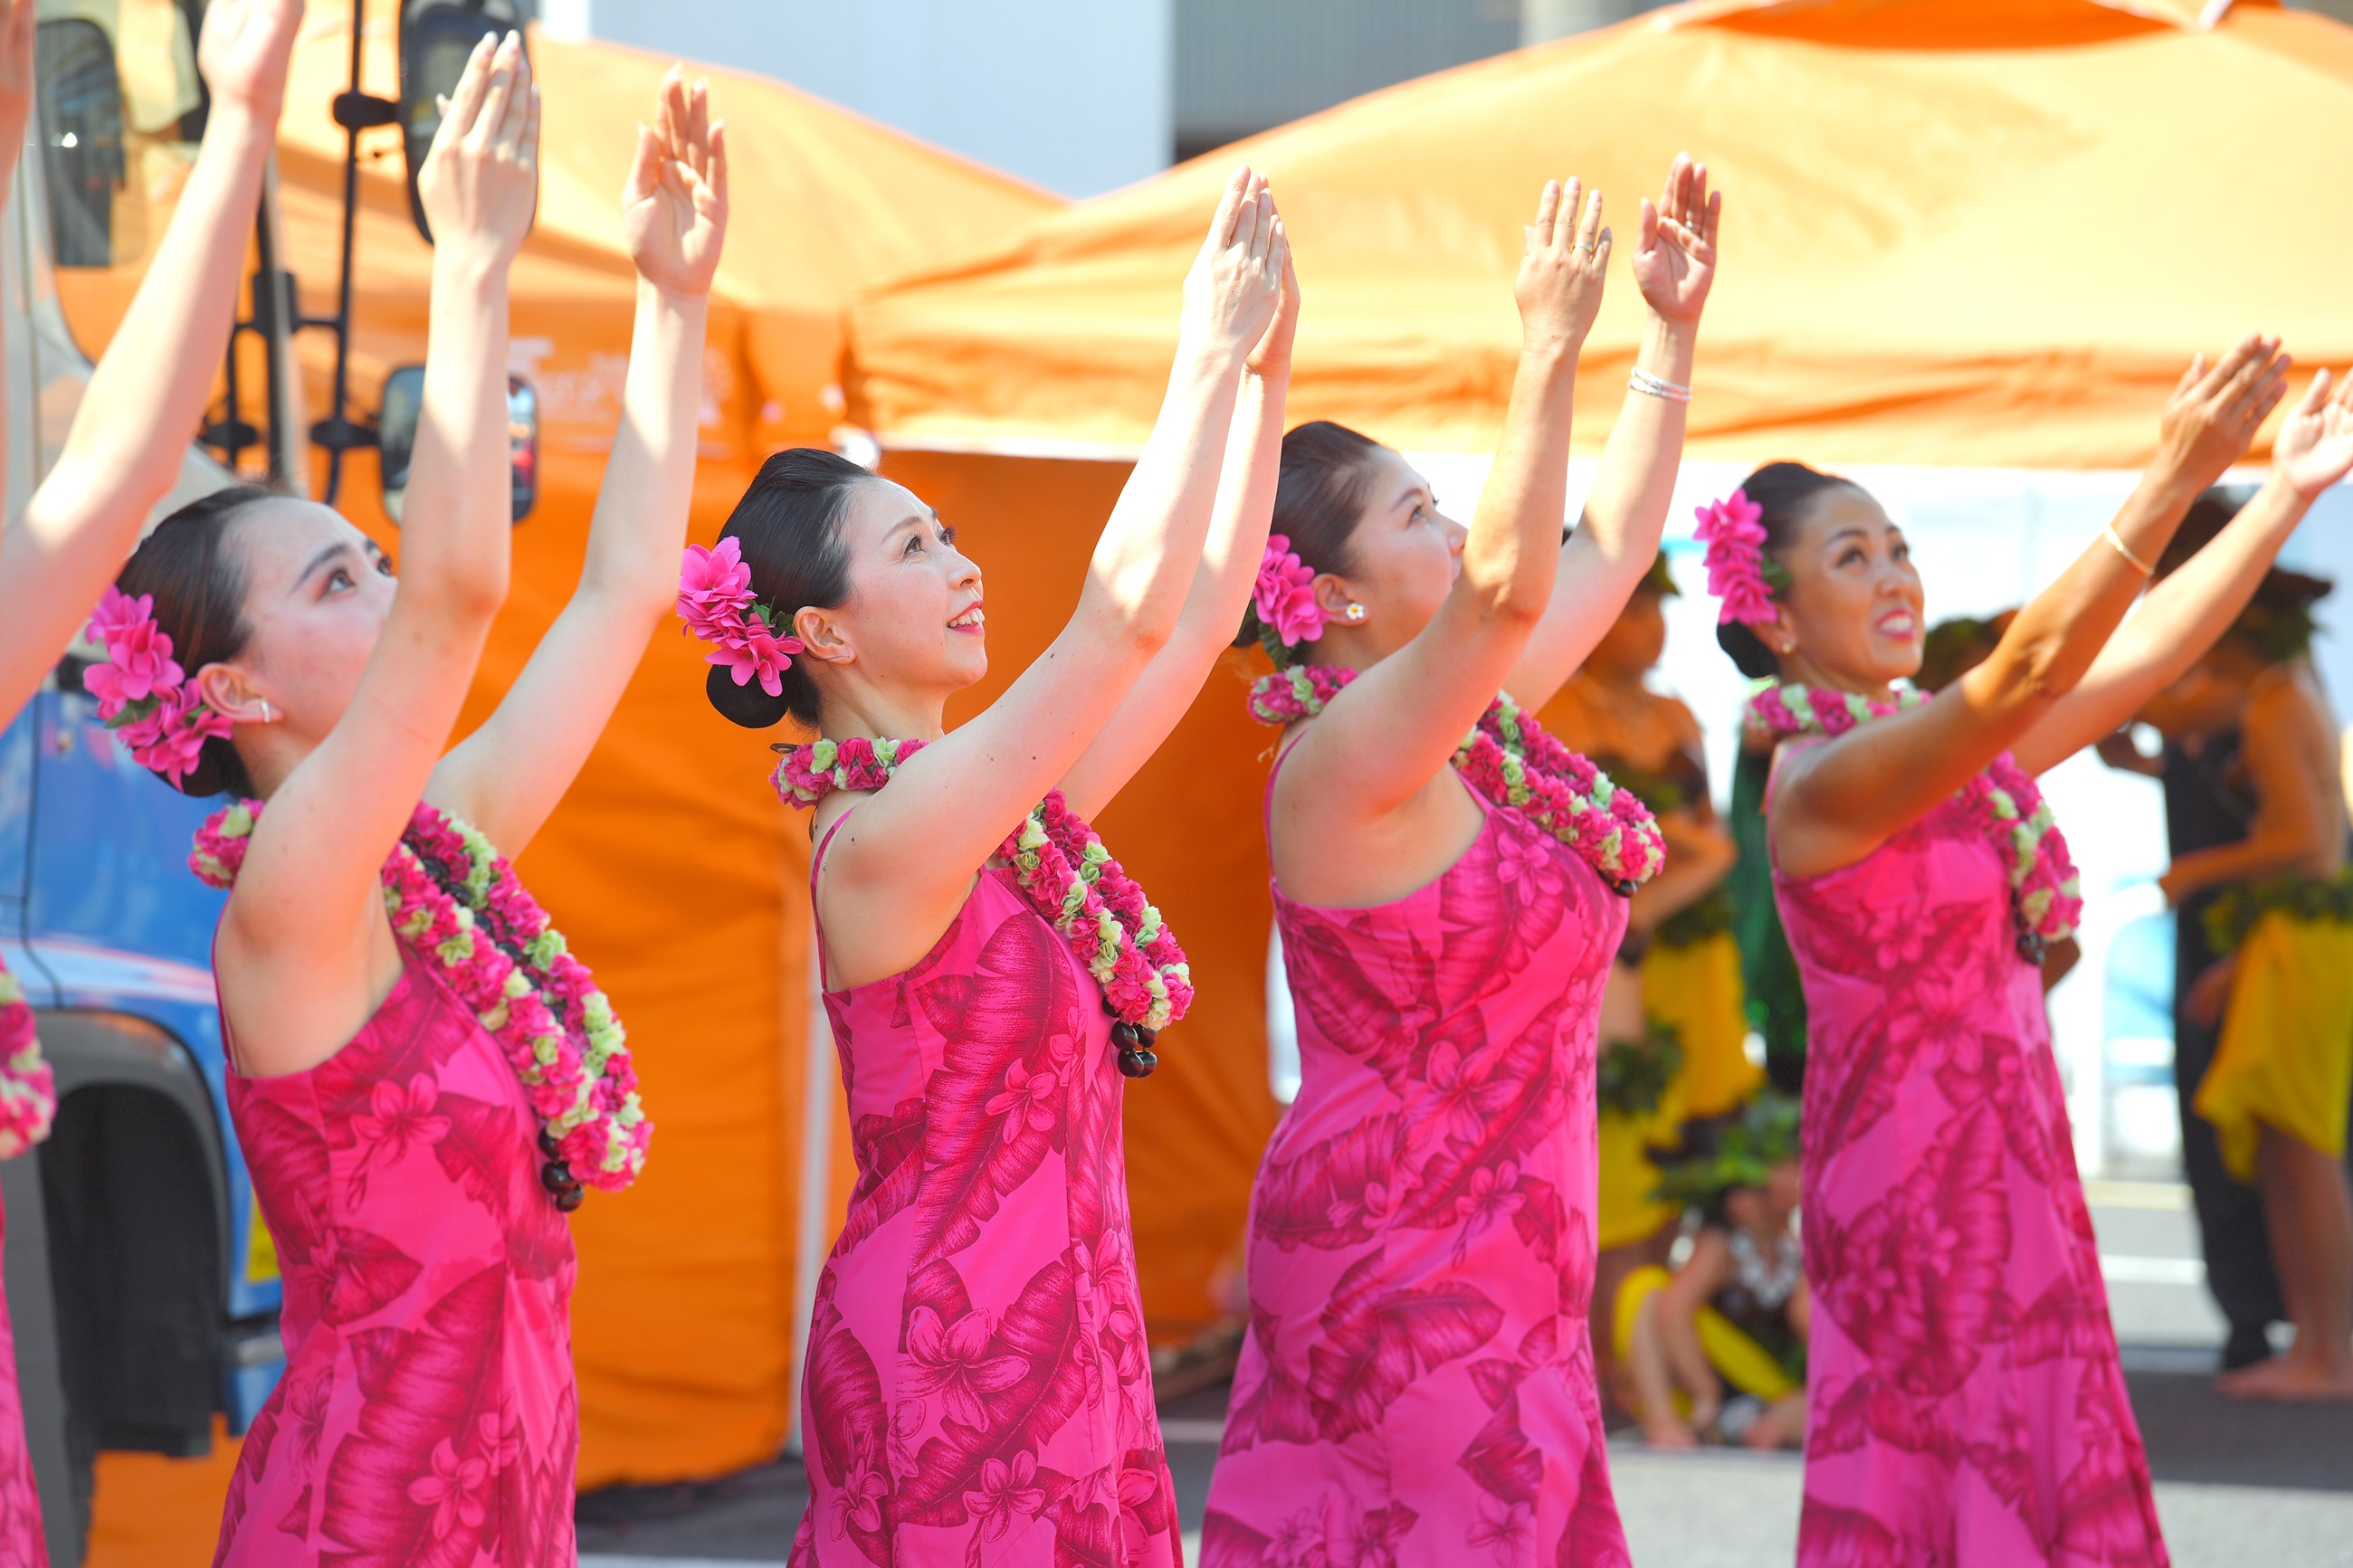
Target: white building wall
[1072, 95]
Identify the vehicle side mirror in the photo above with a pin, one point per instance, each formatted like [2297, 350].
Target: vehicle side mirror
[81, 138]
[404, 400]
[437, 38]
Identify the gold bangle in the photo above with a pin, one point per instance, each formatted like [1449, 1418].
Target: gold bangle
[2143, 567]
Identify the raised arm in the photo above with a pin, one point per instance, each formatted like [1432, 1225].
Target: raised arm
[147, 397]
[1614, 543]
[508, 775]
[1836, 803]
[1385, 737]
[916, 845]
[2184, 614]
[309, 888]
[1221, 586]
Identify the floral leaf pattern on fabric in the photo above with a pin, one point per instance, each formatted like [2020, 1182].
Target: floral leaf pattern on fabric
[1417, 1385]
[978, 1388]
[425, 1416]
[1963, 1371]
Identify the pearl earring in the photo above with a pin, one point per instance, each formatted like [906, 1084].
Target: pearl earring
[1356, 610]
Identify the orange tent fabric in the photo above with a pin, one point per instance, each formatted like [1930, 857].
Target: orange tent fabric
[1957, 232]
[670, 866]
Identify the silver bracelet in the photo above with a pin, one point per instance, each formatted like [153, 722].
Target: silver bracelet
[1642, 381]
[2137, 565]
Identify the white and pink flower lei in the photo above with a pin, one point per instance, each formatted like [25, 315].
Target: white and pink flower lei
[143, 693]
[455, 901]
[2045, 894]
[28, 1090]
[1514, 761]
[1066, 875]
[716, 602]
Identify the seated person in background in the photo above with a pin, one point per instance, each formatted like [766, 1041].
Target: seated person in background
[1735, 1311]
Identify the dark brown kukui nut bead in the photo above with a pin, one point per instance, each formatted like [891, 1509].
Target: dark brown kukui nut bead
[555, 1175]
[1137, 1064]
[569, 1198]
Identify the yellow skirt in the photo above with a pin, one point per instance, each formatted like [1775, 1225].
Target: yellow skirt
[1739, 1360]
[2286, 1053]
[1627, 1211]
[1697, 989]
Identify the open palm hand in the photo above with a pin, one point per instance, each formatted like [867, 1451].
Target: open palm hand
[674, 208]
[244, 50]
[2315, 450]
[1674, 257]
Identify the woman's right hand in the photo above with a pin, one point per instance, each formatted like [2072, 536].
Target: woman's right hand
[243, 53]
[1562, 269]
[480, 183]
[1236, 281]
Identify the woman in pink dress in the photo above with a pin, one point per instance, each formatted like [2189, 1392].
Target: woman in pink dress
[1964, 1403]
[422, 1079]
[130, 435]
[977, 1388]
[1417, 1383]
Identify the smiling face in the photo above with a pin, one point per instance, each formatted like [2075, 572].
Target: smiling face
[1852, 604]
[317, 591]
[1404, 555]
[912, 621]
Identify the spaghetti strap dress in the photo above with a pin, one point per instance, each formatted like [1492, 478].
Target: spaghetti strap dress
[978, 1387]
[1417, 1383]
[21, 1542]
[1964, 1400]
[427, 1418]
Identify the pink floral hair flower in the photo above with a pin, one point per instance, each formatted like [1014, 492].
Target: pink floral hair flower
[716, 602]
[139, 663]
[1734, 532]
[170, 739]
[1286, 595]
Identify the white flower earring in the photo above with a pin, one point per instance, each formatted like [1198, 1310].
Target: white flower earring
[1356, 610]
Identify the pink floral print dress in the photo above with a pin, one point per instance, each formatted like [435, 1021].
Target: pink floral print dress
[978, 1389]
[22, 1544]
[427, 1418]
[1417, 1383]
[1964, 1400]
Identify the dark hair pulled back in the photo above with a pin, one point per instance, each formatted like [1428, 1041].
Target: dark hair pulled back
[1319, 499]
[2277, 625]
[198, 588]
[1787, 492]
[789, 528]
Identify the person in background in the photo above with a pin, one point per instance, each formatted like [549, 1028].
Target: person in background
[1674, 1023]
[1736, 1312]
[2276, 1092]
[2206, 806]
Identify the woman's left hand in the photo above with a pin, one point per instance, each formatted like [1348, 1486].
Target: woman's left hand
[2211, 992]
[2315, 449]
[674, 208]
[1674, 258]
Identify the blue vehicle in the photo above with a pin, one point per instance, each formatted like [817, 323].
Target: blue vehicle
[141, 1280]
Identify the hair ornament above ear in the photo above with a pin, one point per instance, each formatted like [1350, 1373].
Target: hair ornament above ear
[716, 602]
[1734, 531]
[1286, 595]
[143, 693]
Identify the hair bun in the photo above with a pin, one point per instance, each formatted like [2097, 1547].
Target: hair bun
[748, 704]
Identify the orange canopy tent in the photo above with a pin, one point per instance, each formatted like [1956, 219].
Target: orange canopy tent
[670, 866]
[1957, 232]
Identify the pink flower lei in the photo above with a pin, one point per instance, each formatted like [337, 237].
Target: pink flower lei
[2046, 896]
[28, 1090]
[143, 693]
[1514, 761]
[454, 901]
[716, 602]
[1734, 531]
[1066, 875]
